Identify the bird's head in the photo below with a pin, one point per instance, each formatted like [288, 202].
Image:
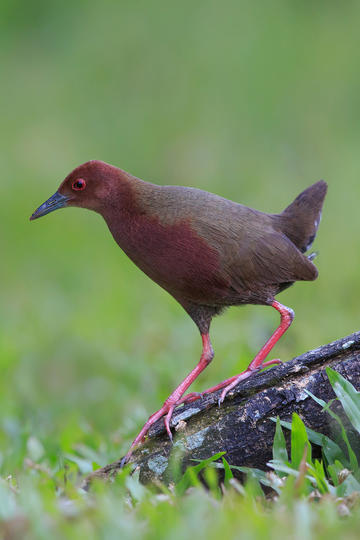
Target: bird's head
[90, 185]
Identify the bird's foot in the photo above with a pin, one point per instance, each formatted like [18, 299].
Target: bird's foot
[167, 411]
[244, 375]
[229, 384]
[172, 402]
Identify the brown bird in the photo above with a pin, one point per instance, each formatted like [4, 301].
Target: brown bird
[209, 253]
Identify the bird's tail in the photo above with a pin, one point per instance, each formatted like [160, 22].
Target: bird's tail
[300, 220]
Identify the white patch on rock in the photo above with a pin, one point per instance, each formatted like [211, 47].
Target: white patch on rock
[348, 344]
[302, 396]
[183, 415]
[315, 351]
[157, 464]
[196, 440]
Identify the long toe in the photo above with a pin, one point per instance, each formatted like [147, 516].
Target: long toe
[124, 461]
[166, 410]
[274, 362]
[245, 375]
[167, 421]
[189, 398]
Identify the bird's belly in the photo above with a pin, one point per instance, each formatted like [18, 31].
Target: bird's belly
[178, 259]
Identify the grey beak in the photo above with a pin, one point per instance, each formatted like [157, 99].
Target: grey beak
[55, 202]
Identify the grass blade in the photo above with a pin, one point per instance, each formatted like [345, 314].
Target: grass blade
[349, 397]
[279, 446]
[299, 440]
[331, 449]
[190, 477]
[228, 473]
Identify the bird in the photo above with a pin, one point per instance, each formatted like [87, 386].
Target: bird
[208, 252]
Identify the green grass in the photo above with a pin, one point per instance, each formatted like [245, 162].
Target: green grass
[253, 102]
[306, 495]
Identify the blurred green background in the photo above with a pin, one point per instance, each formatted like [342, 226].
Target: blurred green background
[251, 100]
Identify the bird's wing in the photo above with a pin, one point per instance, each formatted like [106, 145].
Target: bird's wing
[272, 259]
[253, 253]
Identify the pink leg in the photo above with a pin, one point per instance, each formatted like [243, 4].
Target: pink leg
[176, 397]
[287, 316]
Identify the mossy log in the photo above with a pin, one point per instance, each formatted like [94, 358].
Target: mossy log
[242, 426]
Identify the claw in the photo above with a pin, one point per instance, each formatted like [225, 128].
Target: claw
[124, 460]
[189, 398]
[167, 421]
[276, 361]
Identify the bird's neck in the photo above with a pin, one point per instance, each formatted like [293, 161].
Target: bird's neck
[129, 208]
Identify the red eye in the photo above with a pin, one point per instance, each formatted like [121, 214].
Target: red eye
[79, 184]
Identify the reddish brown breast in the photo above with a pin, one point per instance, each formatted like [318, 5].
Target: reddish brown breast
[174, 256]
